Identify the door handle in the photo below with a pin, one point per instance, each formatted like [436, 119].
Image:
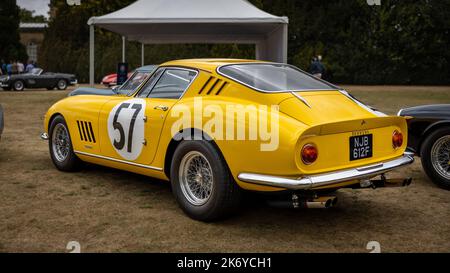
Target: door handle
[161, 107]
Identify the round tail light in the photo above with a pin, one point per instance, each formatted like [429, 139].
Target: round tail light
[397, 139]
[309, 154]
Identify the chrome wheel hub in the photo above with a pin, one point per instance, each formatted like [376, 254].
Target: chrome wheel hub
[62, 84]
[60, 142]
[19, 85]
[196, 178]
[440, 156]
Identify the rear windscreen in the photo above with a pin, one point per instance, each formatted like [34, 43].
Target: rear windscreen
[271, 77]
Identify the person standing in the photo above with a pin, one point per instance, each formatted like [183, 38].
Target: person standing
[29, 67]
[316, 68]
[9, 68]
[20, 67]
[14, 68]
[3, 67]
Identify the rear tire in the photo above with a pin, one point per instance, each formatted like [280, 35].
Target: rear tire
[60, 146]
[202, 183]
[61, 85]
[19, 85]
[435, 155]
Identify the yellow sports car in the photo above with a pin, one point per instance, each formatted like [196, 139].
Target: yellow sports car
[216, 127]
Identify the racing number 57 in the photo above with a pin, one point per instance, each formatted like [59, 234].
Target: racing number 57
[118, 126]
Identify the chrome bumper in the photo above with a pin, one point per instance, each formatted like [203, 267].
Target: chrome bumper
[44, 136]
[326, 179]
[74, 82]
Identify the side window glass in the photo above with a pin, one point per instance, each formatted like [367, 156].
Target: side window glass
[172, 83]
[145, 90]
[134, 82]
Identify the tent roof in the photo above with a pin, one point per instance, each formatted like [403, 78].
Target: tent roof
[188, 11]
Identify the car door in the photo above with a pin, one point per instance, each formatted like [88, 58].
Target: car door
[132, 125]
[46, 80]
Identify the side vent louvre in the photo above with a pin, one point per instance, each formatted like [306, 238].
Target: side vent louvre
[86, 131]
[213, 85]
[221, 87]
[206, 83]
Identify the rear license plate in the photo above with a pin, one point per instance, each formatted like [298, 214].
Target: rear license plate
[360, 147]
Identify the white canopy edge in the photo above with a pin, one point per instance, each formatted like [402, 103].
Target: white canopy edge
[188, 11]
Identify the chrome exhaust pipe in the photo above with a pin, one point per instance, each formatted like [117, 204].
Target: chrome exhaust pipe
[383, 183]
[323, 202]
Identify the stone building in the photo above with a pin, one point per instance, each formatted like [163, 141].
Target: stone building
[32, 36]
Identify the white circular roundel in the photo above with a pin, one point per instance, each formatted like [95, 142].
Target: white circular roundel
[126, 128]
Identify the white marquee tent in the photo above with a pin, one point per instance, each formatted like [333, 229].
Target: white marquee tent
[196, 21]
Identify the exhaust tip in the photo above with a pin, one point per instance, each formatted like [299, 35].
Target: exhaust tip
[407, 182]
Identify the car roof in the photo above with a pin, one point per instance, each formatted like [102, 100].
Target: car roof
[207, 64]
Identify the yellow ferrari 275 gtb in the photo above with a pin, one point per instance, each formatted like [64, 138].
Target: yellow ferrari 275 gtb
[217, 127]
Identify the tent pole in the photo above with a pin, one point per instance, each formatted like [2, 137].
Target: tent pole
[142, 54]
[91, 55]
[123, 49]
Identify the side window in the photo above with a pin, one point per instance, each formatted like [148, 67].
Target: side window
[134, 82]
[148, 86]
[172, 83]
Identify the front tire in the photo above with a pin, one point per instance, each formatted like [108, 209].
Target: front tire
[202, 183]
[19, 85]
[61, 85]
[435, 155]
[60, 146]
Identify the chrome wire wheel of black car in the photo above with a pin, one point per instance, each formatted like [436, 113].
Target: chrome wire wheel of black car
[60, 146]
[440, 156]
[435, 155]
[201, 181]
[61, 85]
[196, 178]
[19, 85]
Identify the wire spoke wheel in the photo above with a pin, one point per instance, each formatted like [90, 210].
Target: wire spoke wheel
[60, 142]
[440, 156]
[196, 178]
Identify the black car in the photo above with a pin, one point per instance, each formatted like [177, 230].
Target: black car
[37, 79]
[429, 137]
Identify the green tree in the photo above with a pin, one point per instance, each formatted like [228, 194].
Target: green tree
[398, 42]
[29, 17]
[10, 46]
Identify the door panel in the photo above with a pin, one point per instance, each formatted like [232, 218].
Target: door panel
[130, 128]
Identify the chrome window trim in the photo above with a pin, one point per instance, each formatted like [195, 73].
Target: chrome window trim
[119, 161]
[332, 86]
[132, 92]
[164, 68]
[377, 113]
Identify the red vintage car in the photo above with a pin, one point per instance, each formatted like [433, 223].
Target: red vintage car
[111, 79]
